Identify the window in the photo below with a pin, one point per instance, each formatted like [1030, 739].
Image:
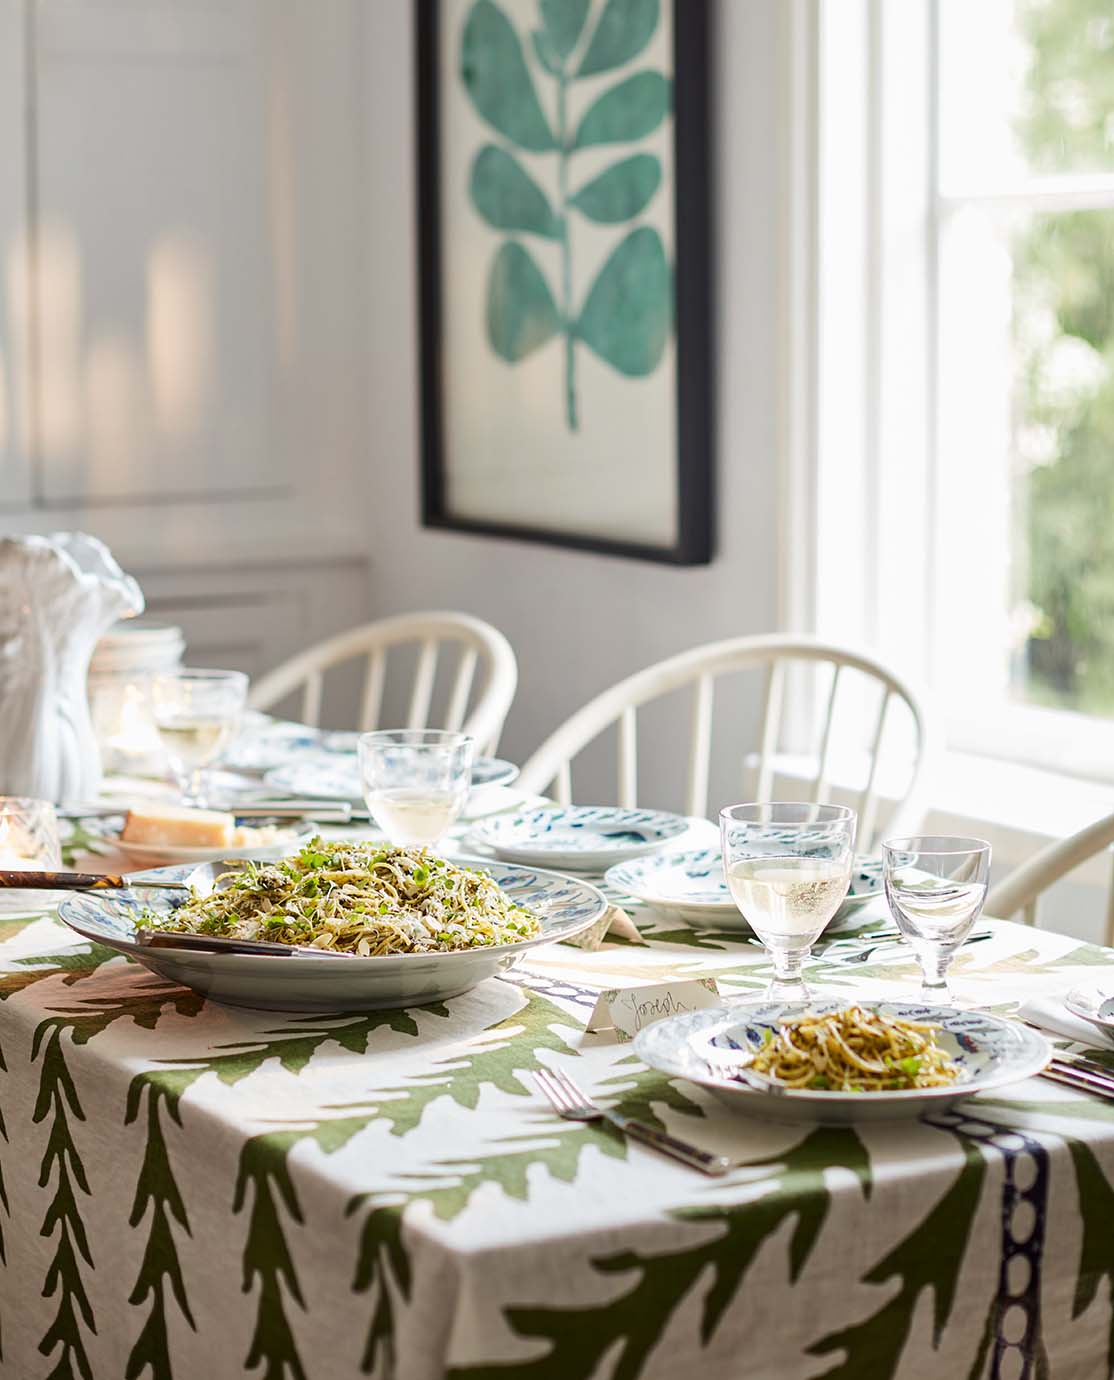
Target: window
[964, 217]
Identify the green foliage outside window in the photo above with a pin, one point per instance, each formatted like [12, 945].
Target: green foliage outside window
[1064, 343]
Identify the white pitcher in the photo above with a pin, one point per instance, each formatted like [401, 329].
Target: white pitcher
[58, 594]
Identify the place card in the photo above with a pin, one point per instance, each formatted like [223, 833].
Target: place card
[627, 1010]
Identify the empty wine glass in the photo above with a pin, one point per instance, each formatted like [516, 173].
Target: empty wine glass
[936, 886]
[788, 866]
[416, 781]
[197, 714]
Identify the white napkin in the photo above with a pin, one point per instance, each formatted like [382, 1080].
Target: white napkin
[1052, 1015]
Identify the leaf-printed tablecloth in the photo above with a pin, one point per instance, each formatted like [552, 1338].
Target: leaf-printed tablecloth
[195, 1190]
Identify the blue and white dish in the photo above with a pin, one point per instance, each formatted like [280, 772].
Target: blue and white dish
[1093, 1005]
[583, 837]
[692, 887]
[336, 776]
[565, 906]
[992, 1052]
[266, 743]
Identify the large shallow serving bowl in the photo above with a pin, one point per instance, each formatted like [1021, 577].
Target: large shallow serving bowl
[564, 905]
[584, 837]
[692, 887]
[993, 1052]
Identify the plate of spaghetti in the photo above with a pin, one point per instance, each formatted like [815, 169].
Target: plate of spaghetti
[837, 1062]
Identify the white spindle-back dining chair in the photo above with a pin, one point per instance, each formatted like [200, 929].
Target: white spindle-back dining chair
[700, 667]
[1023, 888]
[477, 644]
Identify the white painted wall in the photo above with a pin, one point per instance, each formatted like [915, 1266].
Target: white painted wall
[192, 392]
[581, 621]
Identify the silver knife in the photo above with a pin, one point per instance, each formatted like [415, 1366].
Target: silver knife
[326, 811]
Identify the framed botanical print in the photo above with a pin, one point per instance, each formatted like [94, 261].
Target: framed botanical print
[565, 272]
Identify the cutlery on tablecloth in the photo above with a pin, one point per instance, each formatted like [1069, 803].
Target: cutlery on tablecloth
[81, 881]
[323, 811]
[1071, 1075]
[568, 1101]
[862, 955]
[214, 943]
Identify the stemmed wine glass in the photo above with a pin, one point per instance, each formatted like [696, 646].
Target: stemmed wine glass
[935, 885]
[415, 781]
[197, 714]
[788, 866]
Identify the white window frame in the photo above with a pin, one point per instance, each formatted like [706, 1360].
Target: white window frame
[867, 447]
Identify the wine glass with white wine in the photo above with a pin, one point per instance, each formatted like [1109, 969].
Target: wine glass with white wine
[936, 885]
[197, 714]
[415, 781]
[788, 866]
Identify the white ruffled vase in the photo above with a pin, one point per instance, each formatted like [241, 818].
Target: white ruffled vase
[58, 595]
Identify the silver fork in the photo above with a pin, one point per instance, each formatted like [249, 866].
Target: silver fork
[570, 1102]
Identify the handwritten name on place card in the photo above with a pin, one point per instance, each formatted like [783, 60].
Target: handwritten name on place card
[627, 1010]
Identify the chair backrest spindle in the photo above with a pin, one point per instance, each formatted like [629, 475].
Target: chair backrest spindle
[311, 699]
[480, 645]
[868, 801]
[372, 698]
[771, 727]
[820, 790]
[628, 759]
[422, 692]
[700, 749]
[698, 669]
[462, 688]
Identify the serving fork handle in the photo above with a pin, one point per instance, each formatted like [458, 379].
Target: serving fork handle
[78, 881]
[681, 1150]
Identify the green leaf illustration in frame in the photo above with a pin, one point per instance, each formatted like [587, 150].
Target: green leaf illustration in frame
[627, 316]
[565, 89]
[507, 196]
[629, 110]
[621, 191]
[623, 30]
[564, 23]
[521, 312]
[494, 72]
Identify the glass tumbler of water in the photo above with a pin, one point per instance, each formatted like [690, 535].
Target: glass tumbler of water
[415, 781]
[936, 886]
[788, 866]
[197, 714]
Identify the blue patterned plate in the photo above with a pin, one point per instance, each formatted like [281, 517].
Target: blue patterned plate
[336, 776]
[565, 906]
[584, 837]
[1095, 1005]
[692, 887]
[992, 1052]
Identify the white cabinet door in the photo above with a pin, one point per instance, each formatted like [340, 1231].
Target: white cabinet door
[15, 468]
[155, 286]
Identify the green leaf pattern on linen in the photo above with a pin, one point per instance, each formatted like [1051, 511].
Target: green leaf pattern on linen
[793, 1198]
[635, 284]
[628, 1327]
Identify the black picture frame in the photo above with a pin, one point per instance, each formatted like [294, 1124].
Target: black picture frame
[692, 277]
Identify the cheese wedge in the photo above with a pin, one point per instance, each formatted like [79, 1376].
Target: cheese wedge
[180, 827]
